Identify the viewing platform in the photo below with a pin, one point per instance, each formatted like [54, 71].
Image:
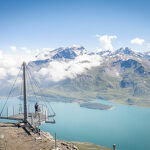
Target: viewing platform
[30, 113]
[34, 119]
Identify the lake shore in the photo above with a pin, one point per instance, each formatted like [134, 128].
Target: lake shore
[91, 104]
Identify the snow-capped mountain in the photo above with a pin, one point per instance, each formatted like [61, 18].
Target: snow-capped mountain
[147, 55]
[71, 53]
[74, 72]
[62, 53]
[124, 51]
[120, 52]
[105, 53]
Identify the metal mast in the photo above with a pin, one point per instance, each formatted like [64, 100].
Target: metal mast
[25, 93]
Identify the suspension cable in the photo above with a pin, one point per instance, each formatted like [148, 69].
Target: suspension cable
[39, 90]
[10, 91]
[36, 83]
[31, 83]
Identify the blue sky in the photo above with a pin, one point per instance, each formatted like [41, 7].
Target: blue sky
[37, 24]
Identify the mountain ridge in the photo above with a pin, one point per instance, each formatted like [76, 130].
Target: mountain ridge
[122, 76]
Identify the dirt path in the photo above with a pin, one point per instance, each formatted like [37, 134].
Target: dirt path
[14, 138]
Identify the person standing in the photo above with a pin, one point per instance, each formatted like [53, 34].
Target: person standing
[36, 108]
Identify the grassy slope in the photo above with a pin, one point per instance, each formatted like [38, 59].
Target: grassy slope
[89, 146]
[95, 83]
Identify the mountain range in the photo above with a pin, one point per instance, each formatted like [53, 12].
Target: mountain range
[121, 76]
[68, 53]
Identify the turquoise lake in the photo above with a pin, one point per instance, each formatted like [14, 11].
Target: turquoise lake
[126, 126]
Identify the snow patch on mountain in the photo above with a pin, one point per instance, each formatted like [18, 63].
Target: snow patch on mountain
[62, 53]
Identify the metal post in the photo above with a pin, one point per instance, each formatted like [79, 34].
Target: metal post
[32, 119]
[25, 93]
[45, 115]
[20, 108]
[55, 141]
[114, 147]
[7, 111]
[13, 111]
[28, 108]
[39, 119]
[39, 125]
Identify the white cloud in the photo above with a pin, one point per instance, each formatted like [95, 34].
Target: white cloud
[59, 70]
[54, 71]
[2, 73]
[148, 46]
[9, 67]
[1, 54]
[47, 49]
[98, 50]
[24, 48]
[13, 48]
[137, 41]
[43, 71]
[106, 41]
[37, 51]
[77, 46]
[28, 52]
[13, 71]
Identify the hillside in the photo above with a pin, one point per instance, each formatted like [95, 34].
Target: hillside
[122, 76]
[14, 138]
[74, 74]
[129, 84]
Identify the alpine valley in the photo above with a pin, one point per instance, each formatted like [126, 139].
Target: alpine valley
[121, 76]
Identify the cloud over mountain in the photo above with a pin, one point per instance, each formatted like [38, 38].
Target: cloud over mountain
[148, 46]
[56, 65]
[13, 48]
[137, 41]
[106, 41]
[9, 66]
[59, 70]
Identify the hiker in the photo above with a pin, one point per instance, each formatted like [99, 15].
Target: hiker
[36, 108]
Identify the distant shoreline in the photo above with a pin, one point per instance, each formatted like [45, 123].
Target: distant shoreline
[87, 103]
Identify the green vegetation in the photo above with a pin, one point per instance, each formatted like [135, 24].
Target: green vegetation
[126, 82]
[89, 146]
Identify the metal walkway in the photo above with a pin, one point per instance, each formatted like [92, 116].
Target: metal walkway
[28, 117]
[34, 119]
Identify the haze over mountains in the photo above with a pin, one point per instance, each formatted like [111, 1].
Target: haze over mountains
[73, 73]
